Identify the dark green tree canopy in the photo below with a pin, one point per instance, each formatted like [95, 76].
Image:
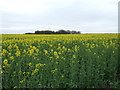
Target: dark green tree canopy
[57, 32]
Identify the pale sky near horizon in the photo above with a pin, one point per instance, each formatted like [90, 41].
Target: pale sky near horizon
[87, 16]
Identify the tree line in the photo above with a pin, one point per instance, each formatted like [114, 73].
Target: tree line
[56, 32]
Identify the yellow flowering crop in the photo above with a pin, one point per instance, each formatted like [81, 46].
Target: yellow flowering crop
[60, 61]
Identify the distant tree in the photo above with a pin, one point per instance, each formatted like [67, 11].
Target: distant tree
[29, 33]
[44, 32]
[68, 31]
[57, 32]
[78, 32]
[62, 32]
[75, 32]
[37, 32]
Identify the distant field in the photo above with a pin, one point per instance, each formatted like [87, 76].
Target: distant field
[60, 61]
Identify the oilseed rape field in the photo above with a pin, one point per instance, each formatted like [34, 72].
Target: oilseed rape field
[60, 61]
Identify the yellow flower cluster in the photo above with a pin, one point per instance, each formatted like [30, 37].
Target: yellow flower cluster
[12, 58]
[56, 54]
[40, 65]
[46, 52]
[54, 70]
[17, 53]
[34, 71]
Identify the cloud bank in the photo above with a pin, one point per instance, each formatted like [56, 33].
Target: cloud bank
[87, 16]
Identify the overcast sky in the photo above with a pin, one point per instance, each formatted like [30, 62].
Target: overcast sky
[87, 16]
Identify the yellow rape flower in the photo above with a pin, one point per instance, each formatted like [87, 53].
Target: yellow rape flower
[4, 52]
[45, 51]
[31, 51]
[57, 62]
[10, 46]
[50, 45]
[22, 80]
[29, 64]
[68, 50]
[74, 56]
[28, 72]
[51, 50]
[9, 53]
[34, 48]
[24, 72]
[1, 71]
[17, 53]
[11, 58]
[59, 52]
[58, 48]
[30, 46]
[15, 87]
[58, 43]
[76, 48]
[24, 51]
[37, 50]
[35, 71]
[40, 65]
[55, 53]
[63, 47]
[17, 64]
[5, 61]
[53, 71]
[15, 46]
[106, 46]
